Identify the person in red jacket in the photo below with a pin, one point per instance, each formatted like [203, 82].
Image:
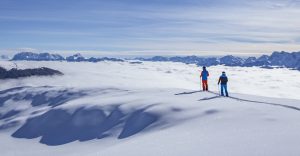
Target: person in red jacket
[204, 75]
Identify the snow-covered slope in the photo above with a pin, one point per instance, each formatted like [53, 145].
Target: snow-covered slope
[118, 108]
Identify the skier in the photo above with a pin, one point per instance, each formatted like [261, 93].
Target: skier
[204, 75]
[223, 80]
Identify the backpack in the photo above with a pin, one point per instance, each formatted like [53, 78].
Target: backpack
[224, 79]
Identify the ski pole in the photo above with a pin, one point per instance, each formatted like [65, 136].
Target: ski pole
[219, 89]
[200, 84]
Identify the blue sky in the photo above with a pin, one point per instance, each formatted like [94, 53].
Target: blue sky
[150, 27]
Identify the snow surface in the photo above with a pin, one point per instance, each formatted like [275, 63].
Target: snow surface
[153, 108]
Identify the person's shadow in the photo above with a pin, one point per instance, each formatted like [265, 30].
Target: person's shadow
[186, 93]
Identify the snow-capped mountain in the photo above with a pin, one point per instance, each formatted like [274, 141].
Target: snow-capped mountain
[290, 60]
[79, 58]
[230, 60]
[282, 59]
[152, 108]
[29, 56]
[76, 58]
[278, 59]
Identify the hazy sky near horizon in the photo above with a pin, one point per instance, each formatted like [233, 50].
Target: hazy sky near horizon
[201, 27]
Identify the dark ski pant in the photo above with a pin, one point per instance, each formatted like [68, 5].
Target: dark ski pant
[224, 88]
[204, 85]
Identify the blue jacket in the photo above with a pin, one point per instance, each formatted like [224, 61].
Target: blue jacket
[223, 79]
[204, 74]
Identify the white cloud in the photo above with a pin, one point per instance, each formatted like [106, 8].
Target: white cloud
[256, 26]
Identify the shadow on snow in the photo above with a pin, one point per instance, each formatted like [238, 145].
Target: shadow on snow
[240, 99]
[186, 93]
[57, 127]
[50, 97]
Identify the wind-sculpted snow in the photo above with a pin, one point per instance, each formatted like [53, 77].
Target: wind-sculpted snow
[58, 126]
[9, 114]
[61, 122]
[50, 96]
[45, 96]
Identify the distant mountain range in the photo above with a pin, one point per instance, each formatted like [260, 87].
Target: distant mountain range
[79, 58]
[29, 56]
[276, 59]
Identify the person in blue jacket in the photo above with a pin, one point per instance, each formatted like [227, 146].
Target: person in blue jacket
[223, 80]
[204, 75]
